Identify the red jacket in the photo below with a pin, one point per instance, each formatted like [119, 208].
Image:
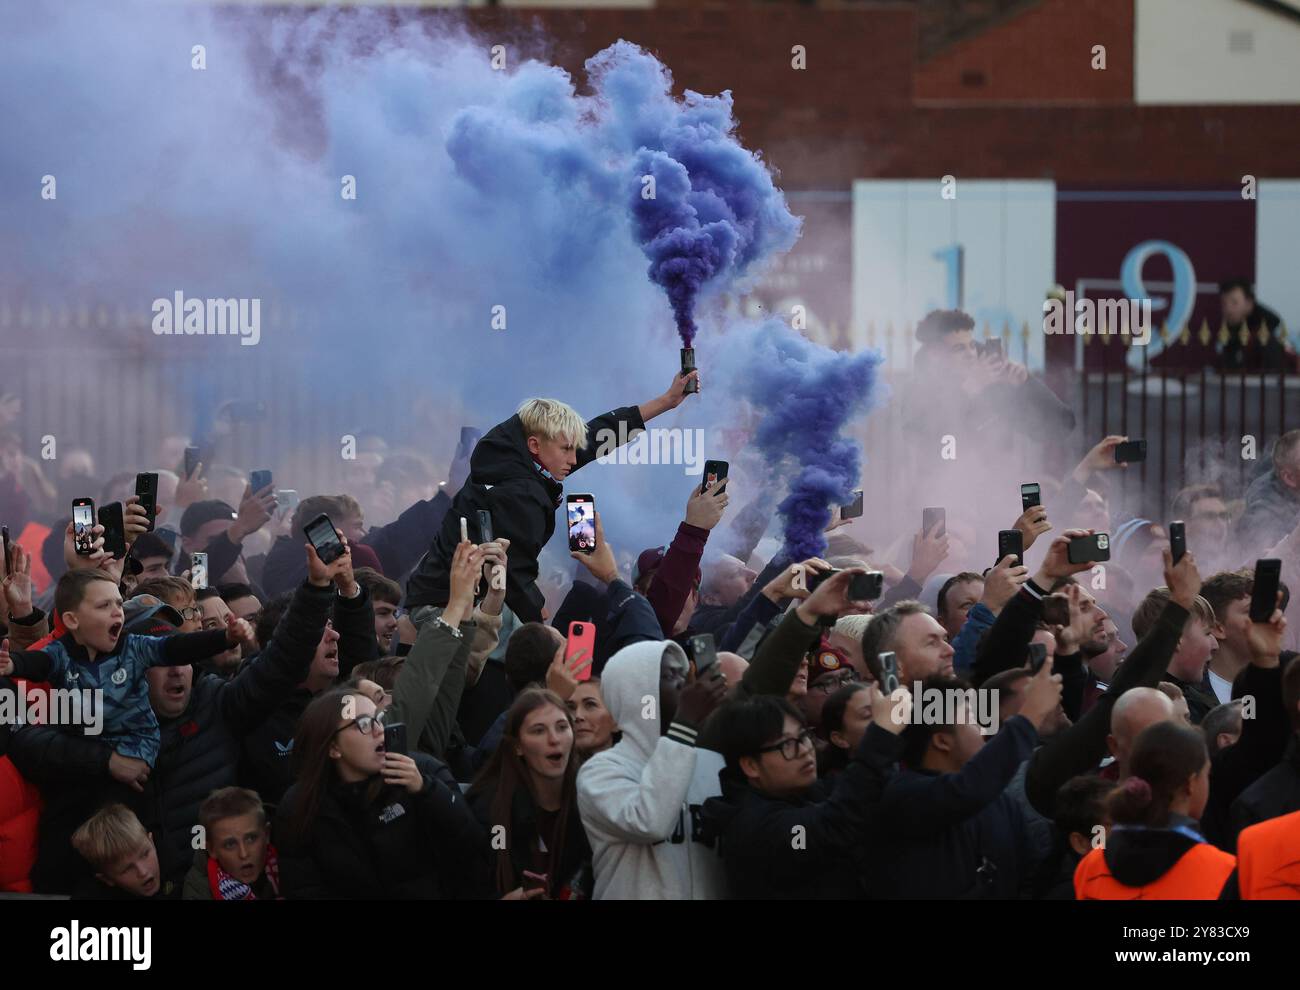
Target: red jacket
[20, 809]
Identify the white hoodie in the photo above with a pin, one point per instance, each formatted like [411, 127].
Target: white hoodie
[640, 801]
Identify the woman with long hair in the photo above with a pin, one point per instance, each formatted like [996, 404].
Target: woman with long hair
[1154, 849]
[844, 721]
[528, 789]
[361, 822]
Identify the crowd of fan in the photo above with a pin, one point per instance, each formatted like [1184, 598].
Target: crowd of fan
[241, 749]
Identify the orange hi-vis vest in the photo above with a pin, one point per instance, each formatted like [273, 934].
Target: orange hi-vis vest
[1268, 860]
[1199, 875]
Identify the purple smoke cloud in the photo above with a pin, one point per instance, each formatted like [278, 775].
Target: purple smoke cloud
[809, 393]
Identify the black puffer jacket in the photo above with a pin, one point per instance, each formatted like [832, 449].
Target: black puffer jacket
[199, 753]
[572, 880]
[397, 846]
[504, 480]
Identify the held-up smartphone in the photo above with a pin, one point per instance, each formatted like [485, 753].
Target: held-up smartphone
[111, 518]
[1030, 496]
[1263, 596]
[83, 519]
[259, 479]
[1056, 610]
[1011, 541]
[888, 672]
[704, 652]
[580, 509]
[4, 534]
[198, 571]
[395, 738]
[931, 516]
[854, 509]
[535, 881]
[1088, 549]
[191, 460]
[286, 500]
[1131, 452]
[715, 471]
[582, 636]
[866, 587]
[484, 526]
[1037, 657]
[469, 436]
[1177, 540]
[146, 487]
[992, 347]
[324, 538]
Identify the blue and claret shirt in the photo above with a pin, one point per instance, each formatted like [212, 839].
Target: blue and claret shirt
[128, 720]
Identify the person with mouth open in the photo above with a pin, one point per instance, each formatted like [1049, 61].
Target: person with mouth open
[238, 862]
[529, 788]
[361, 822]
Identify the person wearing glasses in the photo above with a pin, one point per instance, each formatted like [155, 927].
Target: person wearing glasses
[360, 822]
[828, 671]
[784, 834]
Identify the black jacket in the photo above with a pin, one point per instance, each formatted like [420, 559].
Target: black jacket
[1276, 793]
[574, 872]
[806, 847]
[505, 480]
[200, 753]
[399, 846]
[956, 835]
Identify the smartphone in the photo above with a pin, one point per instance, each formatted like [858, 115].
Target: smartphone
[535, 881]
[191, 460]
[992, 347]
[1263, 596]
[286, 500]
[325, 538]
[1087, 549]
[4, 534]
[888, 672]
[395, 738]
[469, 436]
[1030, 496]
[485, 526]
[1131, 452]
[110, 517]
[704, 652]
[854, 509]
[198, 570]
[866, 587]
[715, 471]
[146, 488]
[83, 520]
[582, 636]
[1037, 657]
[1177, 540]
[1011, 541]
[1056, 610]
[581, 512]
[931, 517]
[259, 479]
[815, 578]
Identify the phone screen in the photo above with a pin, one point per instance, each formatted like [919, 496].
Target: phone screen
[259, 480]
[199, 571]
[854, 509]
[715, 471]
[582, 523]
[929, 517]
[191, 460]
[83, 519]
[485, 526]
[325, 539]
[1030, 495]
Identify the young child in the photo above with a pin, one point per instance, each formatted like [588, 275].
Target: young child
[122, 853]
[94, 654]
[239, 863]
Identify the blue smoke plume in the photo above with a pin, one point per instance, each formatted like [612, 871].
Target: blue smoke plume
[808, 393]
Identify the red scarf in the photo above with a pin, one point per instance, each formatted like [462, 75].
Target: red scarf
[224, 887]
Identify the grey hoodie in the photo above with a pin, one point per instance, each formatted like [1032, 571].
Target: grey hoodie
[640, 801]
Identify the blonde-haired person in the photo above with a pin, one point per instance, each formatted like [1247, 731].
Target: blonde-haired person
[517, 473]
[122, 854]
